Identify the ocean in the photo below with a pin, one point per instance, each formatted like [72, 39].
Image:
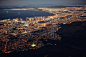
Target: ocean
[10, 14]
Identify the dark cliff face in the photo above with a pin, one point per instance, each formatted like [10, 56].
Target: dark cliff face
[73, 29]
[74, 36]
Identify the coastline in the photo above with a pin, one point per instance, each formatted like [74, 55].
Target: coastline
[41, 28]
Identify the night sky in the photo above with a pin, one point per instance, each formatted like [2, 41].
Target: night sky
[40, 2]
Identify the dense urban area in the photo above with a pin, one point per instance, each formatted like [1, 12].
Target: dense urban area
[22, 35]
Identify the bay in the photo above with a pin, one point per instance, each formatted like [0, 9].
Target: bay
[10, 14]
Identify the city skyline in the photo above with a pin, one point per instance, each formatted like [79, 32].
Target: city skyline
[40, 2]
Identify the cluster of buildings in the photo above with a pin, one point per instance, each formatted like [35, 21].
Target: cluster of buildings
[19, 35]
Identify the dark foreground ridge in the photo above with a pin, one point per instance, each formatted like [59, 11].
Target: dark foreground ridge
[72, 44]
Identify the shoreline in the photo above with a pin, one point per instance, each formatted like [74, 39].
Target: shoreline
[41, 29]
